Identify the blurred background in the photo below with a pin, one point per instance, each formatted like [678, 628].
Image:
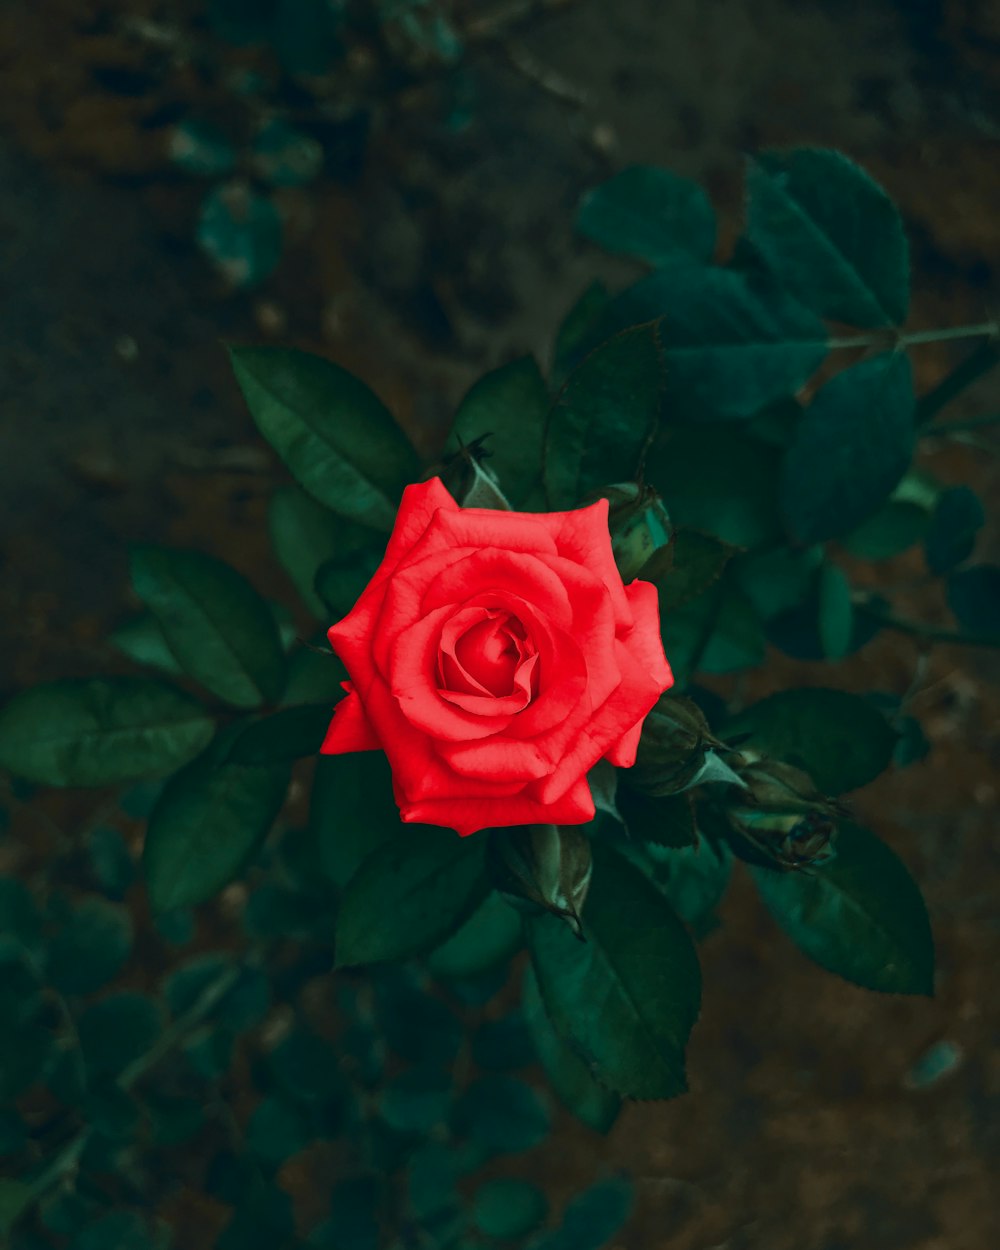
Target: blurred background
[393, 184]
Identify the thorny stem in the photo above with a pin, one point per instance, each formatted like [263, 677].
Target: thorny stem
[914, 338]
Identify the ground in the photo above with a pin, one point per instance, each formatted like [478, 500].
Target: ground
[450, 253]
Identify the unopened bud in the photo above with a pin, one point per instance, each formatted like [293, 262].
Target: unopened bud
[675, 741]
[542, 868]
[782, 812]
[640, 529]
[470, 481]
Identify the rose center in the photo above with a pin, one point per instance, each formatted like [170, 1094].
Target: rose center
[485, 652]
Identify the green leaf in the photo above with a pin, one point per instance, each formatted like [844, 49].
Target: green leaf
[416, 1025]
[694, 878]
[339, 441]
[289, 734]
[241, 233]
[605, 414]
[730, 346]
[99, 731]
[222, 632]
[305, 535]
[725, 617]
[199, 147]
[506, 1207]
[305, 35]
[577, 327]
[20, 919]
[974, 597]
[592, 1218]
[650, 213]
[957, 519]
[698, 561]
[352, 810]
[502, 1114]
[503, 1045]
[111, 860]
[839, 739]
[15, 1197]
[417, 1100]
[142, 640]
[666, 821]
[725, 487]
[859, 915]
[510, 404]
[285, 157]
[410, 894]
[276, 1131]
[836, 612]
[91, 946]
[339, 582]
[831, 235]
[117, 1030]
[568, 1075]
[626, 998]
[777, 579]
[853, 444]
[314, 676]
[490, 936]
[207, 824]
[893, 529]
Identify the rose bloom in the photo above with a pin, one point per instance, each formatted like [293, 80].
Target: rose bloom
[496, 657]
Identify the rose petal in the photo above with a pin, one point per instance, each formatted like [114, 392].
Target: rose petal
[528, 577]
[574, 807]
[623, 753]
[350, 729]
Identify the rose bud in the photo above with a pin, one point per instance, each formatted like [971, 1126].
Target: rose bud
[675, 740]
[782, 813]
[469, 478]
[496, 657]
[640, 529]
[542, 868]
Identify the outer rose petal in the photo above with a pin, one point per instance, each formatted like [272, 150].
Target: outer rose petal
[350, 729]
[574, 807]
[623, 753]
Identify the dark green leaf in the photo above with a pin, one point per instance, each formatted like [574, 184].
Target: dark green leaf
[852, 446]
[339, 582]
[893, 529]
[592, 1218]
[723, 616]
[698, 561]
[287, 735]
[90, 947]
[626, 998]
[15, 1197]
[568, 1075]
[956, 521]
[503, 1045]
[603, 417]
[314, 676]
[142, 640]
[490, 936]
[99, 731]
[730, 347]
[25, 1048]
[859, 915]
[111, 860]
[417, 1100]
[355, 1205]
[576, 328]
[777, 579]
[285, 157]
[241, 233]
[306, 1066]
[198, 147]
[20, 918]
[840, 740]
[263, 1219]
[410, 894]
[694, 878]
[305, 535]
[208, 823]
[974, 597]
[352, 810]
[667, 821]
[221, 631]
[13, 1134]
[836, 612]
[416, 1025]
[117, 1030]
[276, 1131]
[510, 404]
[338, 439]
[502, 1114]
[305, 35]
[650, 213]
[722, 486]
[506, 1207]
[831, 234]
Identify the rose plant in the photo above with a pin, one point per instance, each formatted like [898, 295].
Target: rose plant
[521, 733]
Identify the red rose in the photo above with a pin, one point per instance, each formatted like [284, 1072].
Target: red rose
[496, 657]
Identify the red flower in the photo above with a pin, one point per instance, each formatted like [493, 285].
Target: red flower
[496, 657]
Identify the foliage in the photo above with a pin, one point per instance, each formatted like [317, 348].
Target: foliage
[388, 989]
